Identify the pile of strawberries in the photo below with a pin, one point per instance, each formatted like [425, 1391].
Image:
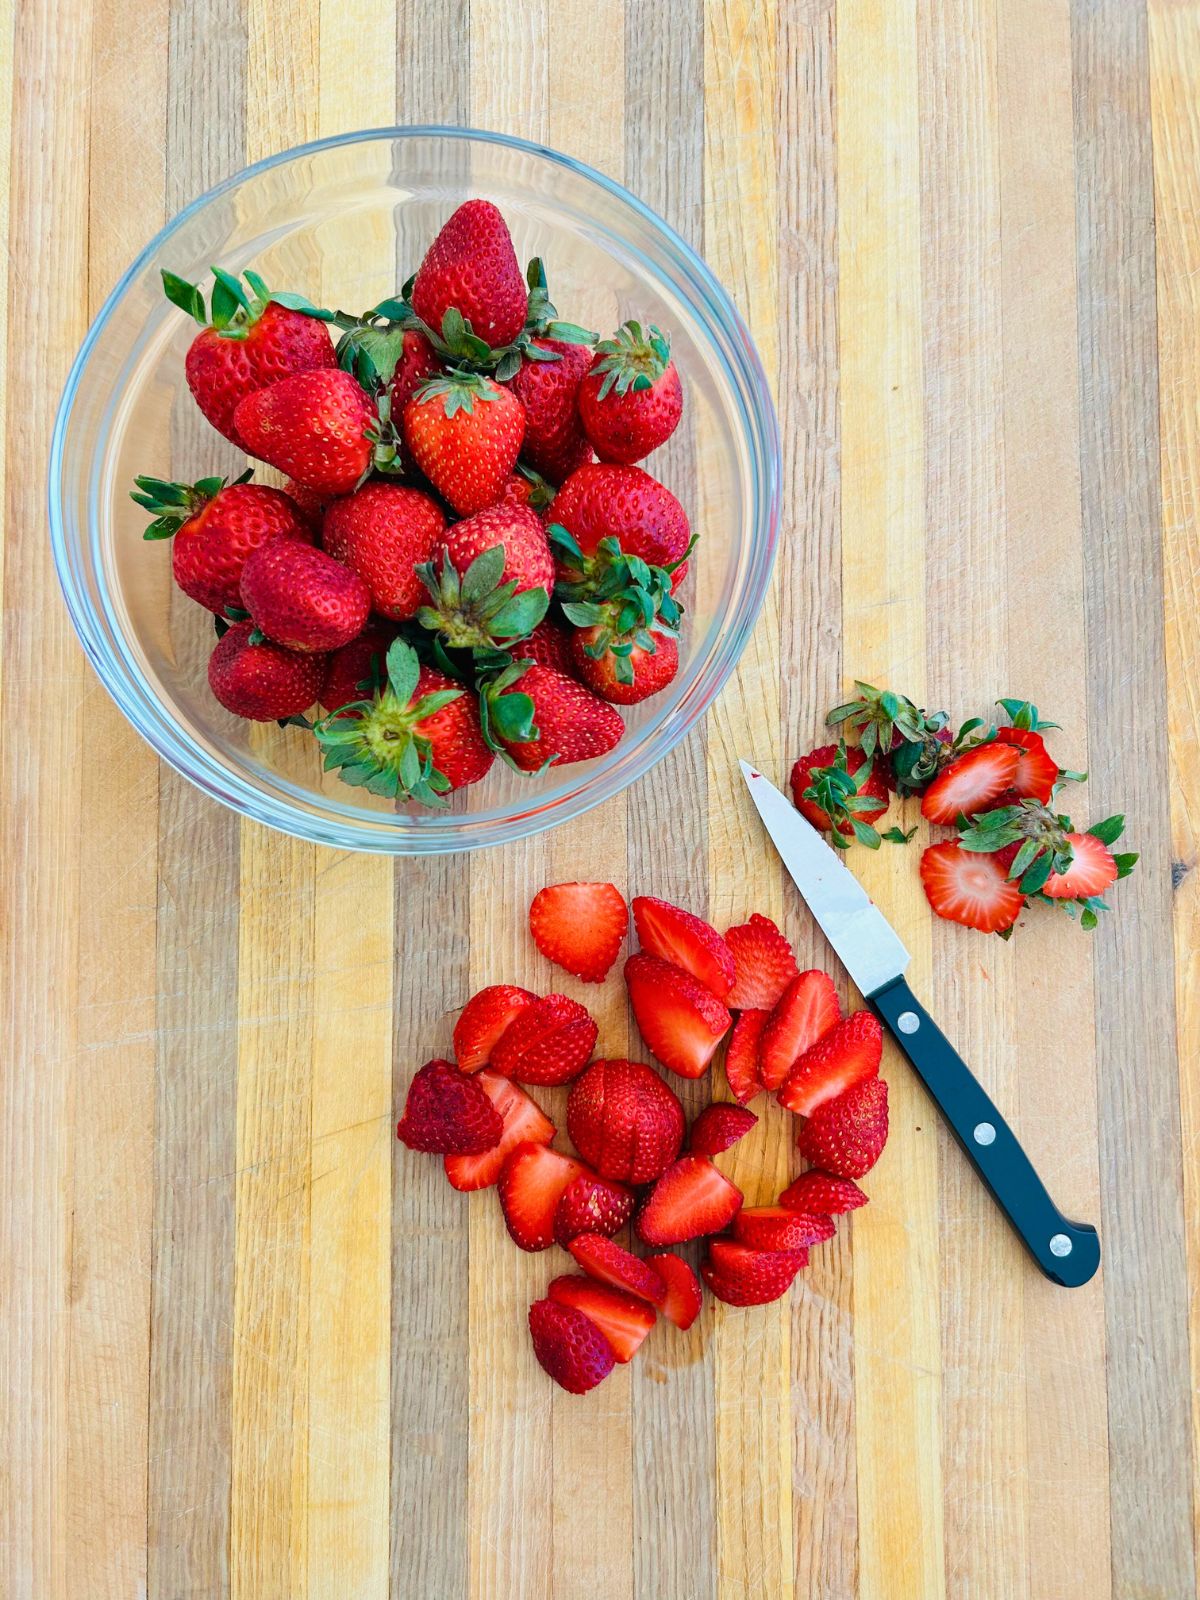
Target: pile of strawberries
[449, 571]
[634, 1160]
[996, 786]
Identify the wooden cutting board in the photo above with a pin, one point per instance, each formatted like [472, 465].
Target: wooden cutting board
[256, 1350]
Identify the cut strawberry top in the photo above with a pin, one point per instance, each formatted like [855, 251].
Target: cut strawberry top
[848, 1054]
[970, 887]
[622, 1318]
[1091, 872]
[1037, 771]
[685, 941]
[743, 1276]
[807, 1009]
[569, 1346]
[846, 1136]
[971, 783]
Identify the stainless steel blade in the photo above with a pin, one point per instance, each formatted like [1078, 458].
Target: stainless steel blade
[860, 933]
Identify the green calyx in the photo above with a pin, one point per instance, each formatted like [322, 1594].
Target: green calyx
[620, 593]
[173, 504]
[836, 790]
[632, 359]
[1043, 847]
[476, 610]
[234, 307]
[458, 391]
[506, 713]
[877, 716]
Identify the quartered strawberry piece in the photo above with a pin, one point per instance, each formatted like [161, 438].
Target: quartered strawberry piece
[807, 1009]
[681, 1021]
[683, 1299]
[970, 887]
[685, 941]
[1037, 771]
[741, 1055]
[483, 1022]
[718, 1127]
[550, 1042]
[580, 927]
[569, 1346]
[743, 1276]
[530, 1188]
[1090, 873]
[622, 1318]
[846, 1136]
[763, 964]
[778, 1228]
[611, 1263]
[446, 1112]
[822, 1194]
[592, 1205]
[691, 1198]
[971, 783]
[846, 1055]
[524, 1122]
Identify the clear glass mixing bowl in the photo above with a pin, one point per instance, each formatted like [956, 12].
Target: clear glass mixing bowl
[346, 221]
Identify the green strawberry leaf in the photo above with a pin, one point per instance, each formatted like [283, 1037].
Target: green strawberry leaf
[185, 295]
[403, 670]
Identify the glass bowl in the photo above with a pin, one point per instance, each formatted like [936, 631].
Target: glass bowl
[346, 221]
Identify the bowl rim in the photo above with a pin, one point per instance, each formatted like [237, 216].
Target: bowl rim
[375, 833]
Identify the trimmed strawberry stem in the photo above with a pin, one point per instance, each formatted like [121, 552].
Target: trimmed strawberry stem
[1043, 847]
[836, 790]
[624, 596]
[475, 610]
[507, 713]
[632, 359]
[173, 504]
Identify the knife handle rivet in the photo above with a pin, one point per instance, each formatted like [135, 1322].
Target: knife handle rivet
[1060, 1245]
[908, 1022]
[984, 1133]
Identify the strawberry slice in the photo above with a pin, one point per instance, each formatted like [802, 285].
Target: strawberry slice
[971, 783]
[683, 1299]
[778, 1228]
[580, 927]
[821, 1194]
[970, 887]
[591, 1204]
[530, 1188]
[741, 1055]
[685, 941]
[1090, 873]
[847, 1135]
[569, 1346]
[807, 1009]
[622, 1318]
[483, 1022]
[524, 1122]
[446, 1112]
[718, 1127]
[611, 1263]
[1037, 771]
[690, 1199]
[550, 1042]
[681, 1021]
[846, 1055]
[763, 964]
[743, 1276]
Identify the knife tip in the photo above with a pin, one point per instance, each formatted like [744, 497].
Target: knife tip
[749, 771]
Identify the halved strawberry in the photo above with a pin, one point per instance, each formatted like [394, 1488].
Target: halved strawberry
[484, 1020]
[778, 1228]
[970, 887]
[592, 1205]
[580, 927]
[680, 1020]
[1090, 873]
[550, 1042]
[741, 1056]
[611, 1263]
[846, 1055]
[971, 782]
[447, 1112]
[683, 1299]
[622, 1318]
[821, 1194]
[743, 1276]
[846, 1136]
[1037, 770]
[807, 1009]
[718, 1127]
[569, 1346]
[524, 1122]
[691, 1198]
[685, 941]
[530, 1188]
[763, 964]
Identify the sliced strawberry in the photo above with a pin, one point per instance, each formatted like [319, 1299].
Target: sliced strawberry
[683, 1299]
[971, 782]
[778, 1228]
[624, 1120]
[844, 1056]
[524, 1122]
[446, 1112]
[592, 1205]
[685, 941]
[743, 1276]
[821, 1194]
[530, 1188]
[718, 1127]
[846, 1136]
[763, 964]
[741, 1055]
[580, 927]
[680, 1020]
[970, 887]
[622, 1318]
[1090, 873]
[611, 1263]
[1037, 770]
[483, 1022]
[807, 1009]
[549, 1043]
[691, 1198]
[569, 1346]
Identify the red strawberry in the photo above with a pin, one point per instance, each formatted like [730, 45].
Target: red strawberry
[846, 1054]
[548, 1043]
[471, 267]
[528, 562]
[779, 1228]
[303, 599]
[311, 505]
[742, 1069]
[681, 1021]
[569, 1346]
[549, 645]
[484, 1020]
[620, 669]
[970, 887]
[580, 927]
[1037, 771]
[565, 723]
[846, 1136]
[263, 682]
[359, 669]
[524, 488]
[492, 582]
[631, 401]
[314, 427]
[820, 774]
[623, 1319]
[718, 1127]
[464, 432]
[742, 1276]
[807, 1009]
[628, 505]
[1090, 873]
[683, 1299]
[554, 441]
[763, 964]
[447, 1113]
[624, 1120]
[524, 1123]
[686, 941]
[611, 1263]
[971, 782]
[821, 1194]
[384, 532]
[592, 1205]
[530, 1188]
[217, 527]
[418, 361]
[690, 1199]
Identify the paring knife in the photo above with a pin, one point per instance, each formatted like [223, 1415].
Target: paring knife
[1067, 1252]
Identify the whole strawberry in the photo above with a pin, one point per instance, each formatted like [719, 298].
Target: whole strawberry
[630, 402]
[538, 716]
[548, 389]
[464, 432]
[624, 669]
[315, 426]
[384, 532]
[302, 598]
[217, 527]
[841, 791]
[263, 682]
[252, 342]
[549, 645]
[418, 361]
[493, 581]
[471, 268]
[357, 671]
[626, 504]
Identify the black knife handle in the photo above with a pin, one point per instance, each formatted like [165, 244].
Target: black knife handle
[1067, 1252]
